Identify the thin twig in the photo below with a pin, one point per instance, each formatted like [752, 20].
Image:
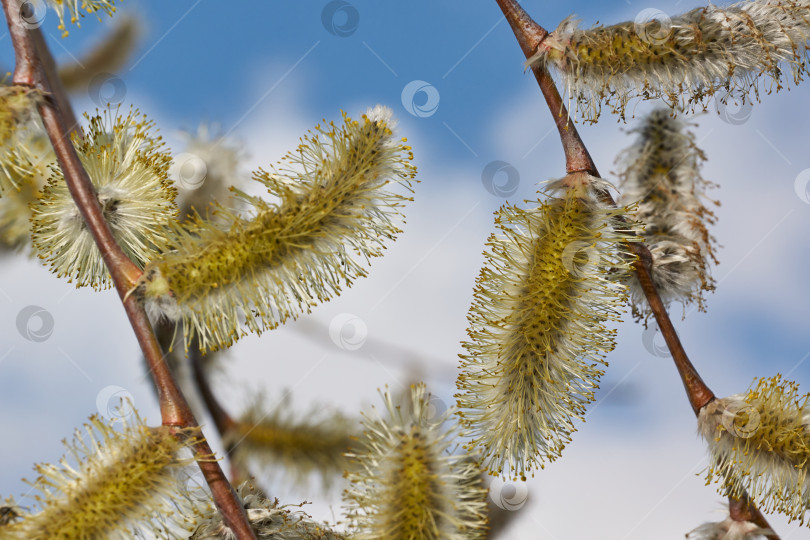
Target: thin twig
[578, 160]
[174, 408]
[530, 35]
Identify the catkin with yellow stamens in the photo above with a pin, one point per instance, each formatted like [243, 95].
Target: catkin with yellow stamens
[336, 205]
[75, 9]
[405, 480]
[129, 169]
[537, 328]
[115, 484]
[19, 122]
[282, 443]
[661, 172]
[268, 519]
[685, 60]
[760, 444]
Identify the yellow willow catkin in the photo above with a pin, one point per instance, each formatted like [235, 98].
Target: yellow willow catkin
[661, 172]
[19, 121]
[336, 205]
[128, 166]
[75, 10]
[685, 60]
[406, 482]
[537, 328]
[297, 447]
[760, 444]
[114, 484]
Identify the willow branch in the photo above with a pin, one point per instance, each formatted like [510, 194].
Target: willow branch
[529, 35]
[743, 509]
[174, 408]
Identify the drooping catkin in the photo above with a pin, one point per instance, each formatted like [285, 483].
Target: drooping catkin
[281, 443]
[685, 60]
[405, 480]
[537, 328]
[129, 169]
[759, 443]
[115, 483]
[661, 172]
[337, 204]
[268, 519]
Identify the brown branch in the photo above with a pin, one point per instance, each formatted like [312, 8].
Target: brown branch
[529, 35]
[743, 509]
[174, 408]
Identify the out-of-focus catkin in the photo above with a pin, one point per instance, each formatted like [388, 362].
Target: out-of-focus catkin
[760, 444]
[336, 205]
[406, 482]
[537, 328]
[685, 60]
[661, 172]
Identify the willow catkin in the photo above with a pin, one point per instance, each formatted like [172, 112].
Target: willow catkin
[728, 529]
[537, 328]
[685, 60]
[405, 482]
[661, 173]
[759, 443]
[336, 205]
[115, 483]
[297, 446]
[128, 166]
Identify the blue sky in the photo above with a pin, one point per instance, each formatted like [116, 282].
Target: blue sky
[266, 72]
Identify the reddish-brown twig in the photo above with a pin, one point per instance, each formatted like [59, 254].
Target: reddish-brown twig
[29, 71]
[530, 35]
